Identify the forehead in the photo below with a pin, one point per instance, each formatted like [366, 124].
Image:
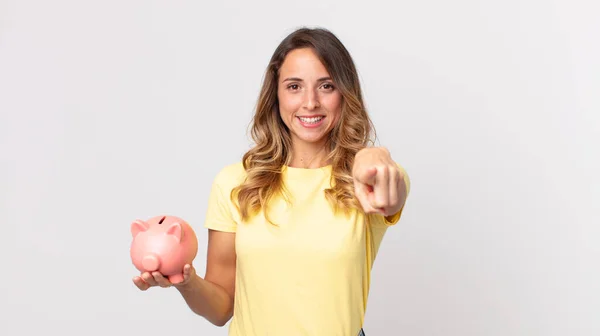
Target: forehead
[303, 62]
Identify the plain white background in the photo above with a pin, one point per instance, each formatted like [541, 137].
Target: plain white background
[116, 110]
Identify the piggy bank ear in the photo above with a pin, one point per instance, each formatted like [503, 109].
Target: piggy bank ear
[138, 226]
[175, 230]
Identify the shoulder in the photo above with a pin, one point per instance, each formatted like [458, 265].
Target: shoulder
[230, 175]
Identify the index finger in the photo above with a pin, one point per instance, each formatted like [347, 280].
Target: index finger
[368, 176]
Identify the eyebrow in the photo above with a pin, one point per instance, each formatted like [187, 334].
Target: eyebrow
[296, 79]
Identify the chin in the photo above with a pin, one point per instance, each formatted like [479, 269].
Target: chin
[311, 139]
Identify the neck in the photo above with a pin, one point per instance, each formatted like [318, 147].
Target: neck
[309, 155]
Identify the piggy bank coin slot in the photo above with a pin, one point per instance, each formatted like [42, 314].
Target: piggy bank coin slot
[162, 220]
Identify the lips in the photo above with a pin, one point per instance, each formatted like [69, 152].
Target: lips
[311, 121]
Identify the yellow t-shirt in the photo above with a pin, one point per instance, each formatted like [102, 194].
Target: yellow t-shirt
[310, 275]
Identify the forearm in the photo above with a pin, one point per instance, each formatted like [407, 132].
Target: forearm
[208, 300]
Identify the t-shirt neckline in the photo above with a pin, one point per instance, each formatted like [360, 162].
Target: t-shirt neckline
[305, 172]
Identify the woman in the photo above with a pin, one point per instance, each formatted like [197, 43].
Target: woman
[295, 226]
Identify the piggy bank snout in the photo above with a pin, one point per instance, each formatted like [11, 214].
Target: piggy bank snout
[151, 263]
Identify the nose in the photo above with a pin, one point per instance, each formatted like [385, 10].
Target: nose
[150, 263]
[312, 100]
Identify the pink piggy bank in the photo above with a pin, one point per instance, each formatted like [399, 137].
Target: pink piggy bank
[164, 244]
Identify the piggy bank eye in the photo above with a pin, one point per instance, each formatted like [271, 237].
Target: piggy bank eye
[162, 220]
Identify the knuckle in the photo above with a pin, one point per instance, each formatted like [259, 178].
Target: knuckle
[380, 204]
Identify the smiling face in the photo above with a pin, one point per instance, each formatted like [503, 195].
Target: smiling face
[309, 103]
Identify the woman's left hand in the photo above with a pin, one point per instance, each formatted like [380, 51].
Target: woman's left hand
[378, 183]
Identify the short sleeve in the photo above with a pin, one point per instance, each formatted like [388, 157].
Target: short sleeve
[393, 219]
[219, 213]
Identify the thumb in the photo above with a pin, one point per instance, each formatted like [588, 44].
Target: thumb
[188, 272]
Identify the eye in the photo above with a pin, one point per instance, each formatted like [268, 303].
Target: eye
[328, 86]
[293, 86]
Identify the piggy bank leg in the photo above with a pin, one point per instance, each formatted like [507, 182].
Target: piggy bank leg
[176, 278]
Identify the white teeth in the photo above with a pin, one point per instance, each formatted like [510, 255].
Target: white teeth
[311, 120]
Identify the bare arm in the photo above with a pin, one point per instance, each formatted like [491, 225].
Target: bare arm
[212, 296]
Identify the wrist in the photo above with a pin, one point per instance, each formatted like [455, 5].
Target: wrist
[186, 286]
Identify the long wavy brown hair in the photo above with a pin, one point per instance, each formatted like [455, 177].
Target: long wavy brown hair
[272, 150]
